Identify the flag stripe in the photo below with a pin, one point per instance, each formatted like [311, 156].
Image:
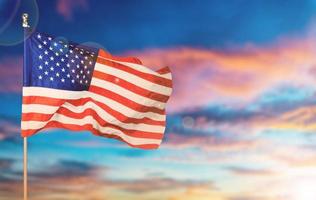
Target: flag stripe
[162, 73]
[107, 55]
[148, 85]
[125, 101]
[126, 93]
[122, 108]
[35, 121]
[137, 66]
[149, 77]
[106, 117]
[108, 132]
[131, 87]
[47, 101]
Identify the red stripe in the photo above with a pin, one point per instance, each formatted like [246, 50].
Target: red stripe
[43, 100]
[121, 59]
[80, 102]
[87, 127]
[164, 70]
[130, 86]
[149, 77]
[92, 113]
[123, 100]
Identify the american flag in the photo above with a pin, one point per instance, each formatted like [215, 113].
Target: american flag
[80, 88]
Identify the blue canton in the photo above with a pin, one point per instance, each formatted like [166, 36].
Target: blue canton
[56, 63]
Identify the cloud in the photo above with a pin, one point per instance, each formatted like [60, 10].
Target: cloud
[66, 8]
[11, 74]
[67, 169]
[243, 171]
[233, 77]
[69, 179]
[199, 193]
[9, 129]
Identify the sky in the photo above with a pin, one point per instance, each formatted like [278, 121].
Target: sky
[241, 120]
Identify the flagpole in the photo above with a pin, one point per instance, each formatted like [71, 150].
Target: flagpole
[25, 25]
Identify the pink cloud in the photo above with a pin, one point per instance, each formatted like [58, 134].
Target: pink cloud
[66, 8]
[204, 76]
[11, 74]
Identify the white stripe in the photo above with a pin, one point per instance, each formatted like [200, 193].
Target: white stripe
[141, 68]
[37, 108]
[44, 109]
[26, 125]
[127, 93]
[136, 80]
[65, 94]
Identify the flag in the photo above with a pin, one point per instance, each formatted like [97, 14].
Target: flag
[81, 88]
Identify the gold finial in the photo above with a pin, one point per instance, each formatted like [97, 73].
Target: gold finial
[25, 23]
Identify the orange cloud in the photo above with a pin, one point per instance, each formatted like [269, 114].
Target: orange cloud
[203, 76]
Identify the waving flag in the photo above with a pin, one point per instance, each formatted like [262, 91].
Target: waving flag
[77, 87]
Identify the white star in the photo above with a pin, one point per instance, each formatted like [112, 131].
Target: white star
[81, 61]
[51, 78]
[40, 57]
[57, 64]
[90, 62]
[88, 72]
[77, 76]
[80, 81]
[72, 80]
[62, 80]
[40, 77]
[46, 72]
[78, 66]
[73, 71]
[63, 69]
[45, 52]
[55, 44]
[68, 75]
[76, 56]
[51, 58]
[46, 63]
[70, 51]
[44, 42]
[85, 66]
[68, 65]
[49, 38]
[39, 46]
[65, 45]
[51, 48]
[39, 36]
[57, 54]
[86, 81]
[66, 55]
[84, 76]
[62, 60]
[57, 74]
[86, 57]
[51, 68]
[81, 72]
[40, 67]
[81, 52]
[61, 50]
[72, 60]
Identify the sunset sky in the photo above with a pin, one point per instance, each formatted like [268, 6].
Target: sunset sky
[241, 120]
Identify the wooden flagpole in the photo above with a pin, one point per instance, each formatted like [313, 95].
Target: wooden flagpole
[25, 25]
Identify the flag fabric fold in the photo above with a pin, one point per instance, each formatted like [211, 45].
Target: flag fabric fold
[80, 88]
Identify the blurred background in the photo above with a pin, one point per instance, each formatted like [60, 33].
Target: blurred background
[241, 120]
